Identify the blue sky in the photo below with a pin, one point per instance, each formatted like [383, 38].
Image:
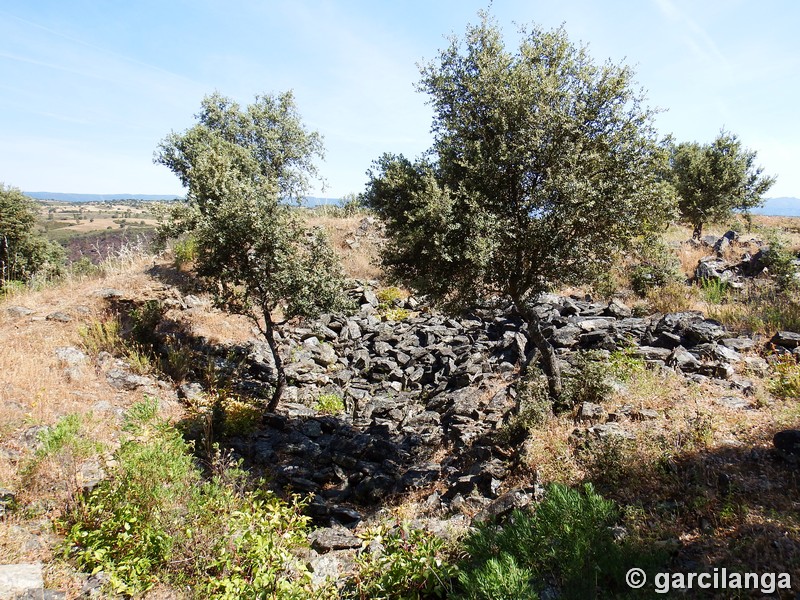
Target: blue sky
[87, 89]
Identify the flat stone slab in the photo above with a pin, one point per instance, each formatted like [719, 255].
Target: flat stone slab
[18, 579]
[733, 402]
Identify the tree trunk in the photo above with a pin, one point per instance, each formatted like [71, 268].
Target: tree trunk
[549, 361]
[280, 383]
[698, 231]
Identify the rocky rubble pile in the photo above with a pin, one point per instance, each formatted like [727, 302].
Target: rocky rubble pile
[412, 387]
[733, 272]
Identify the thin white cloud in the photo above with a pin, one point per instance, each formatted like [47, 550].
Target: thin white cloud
[695, 37]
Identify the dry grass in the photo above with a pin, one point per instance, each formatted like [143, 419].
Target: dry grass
[359, 262]
[700, 478]
[37, 390]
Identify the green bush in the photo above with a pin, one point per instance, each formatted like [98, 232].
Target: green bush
[625, 365]
[101, 336]
[84, 267]
[62, 450]
[330, 404]
[534, 405]
[589, 380]
[184, 251]
[715, 291]
[411, 564]
[156, 520]
[780, 264]
[389, 295]
[786, 381]
[654, 266]
[566, 542]
[24, 252]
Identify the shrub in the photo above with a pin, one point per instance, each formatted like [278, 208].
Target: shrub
[786, 382]
[533, 401]
[625, 365]
[412, 563]
[184, 251]
[395, 314]
[654, 266]
[587, 381]
[101, 336]
[389, 296]
[674, 297]
[565, 541]
[715, 291]
[57, 461]
[780, 264]
[330, 404]
[155, 520]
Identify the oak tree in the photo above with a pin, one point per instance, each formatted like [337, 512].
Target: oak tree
[243, 168]
[24, 251]
[543, 164]
[712, 180]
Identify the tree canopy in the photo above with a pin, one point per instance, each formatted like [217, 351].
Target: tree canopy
[712, 180]
[24, 252]
[243, 167]
[543, 164]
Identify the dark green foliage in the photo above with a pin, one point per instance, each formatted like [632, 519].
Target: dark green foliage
[780, 263]
[712, 180]
[565, 543]
[654, 266]
[413, 564]
[23, 251]
[588, 380]
[543, 165]
[242, 166]
[156, 520]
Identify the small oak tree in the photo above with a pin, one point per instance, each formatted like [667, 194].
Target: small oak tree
[543, 165]
[242, 168]
[24, 251]
[713, 180]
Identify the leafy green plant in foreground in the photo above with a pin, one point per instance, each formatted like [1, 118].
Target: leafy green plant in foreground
[156, 520]
[412, 563]
[565, 543]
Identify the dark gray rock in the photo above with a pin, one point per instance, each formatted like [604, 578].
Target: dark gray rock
[108, 293]
[503, 505]
[19, 311]
[331, 566]
[681, 359]
[652, 353]
[704, 332]
[589, 411]
[326, 539]
[618, 309]
[786, 339]
[59, 317]
[733, 402]
[122, 380]
[611, 430]
[644, 414]
[740, 344]
[8, 501]
[566, 337]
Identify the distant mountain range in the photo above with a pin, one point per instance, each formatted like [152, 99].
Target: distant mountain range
[784, 207]
[61, 197]
[780, 207]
